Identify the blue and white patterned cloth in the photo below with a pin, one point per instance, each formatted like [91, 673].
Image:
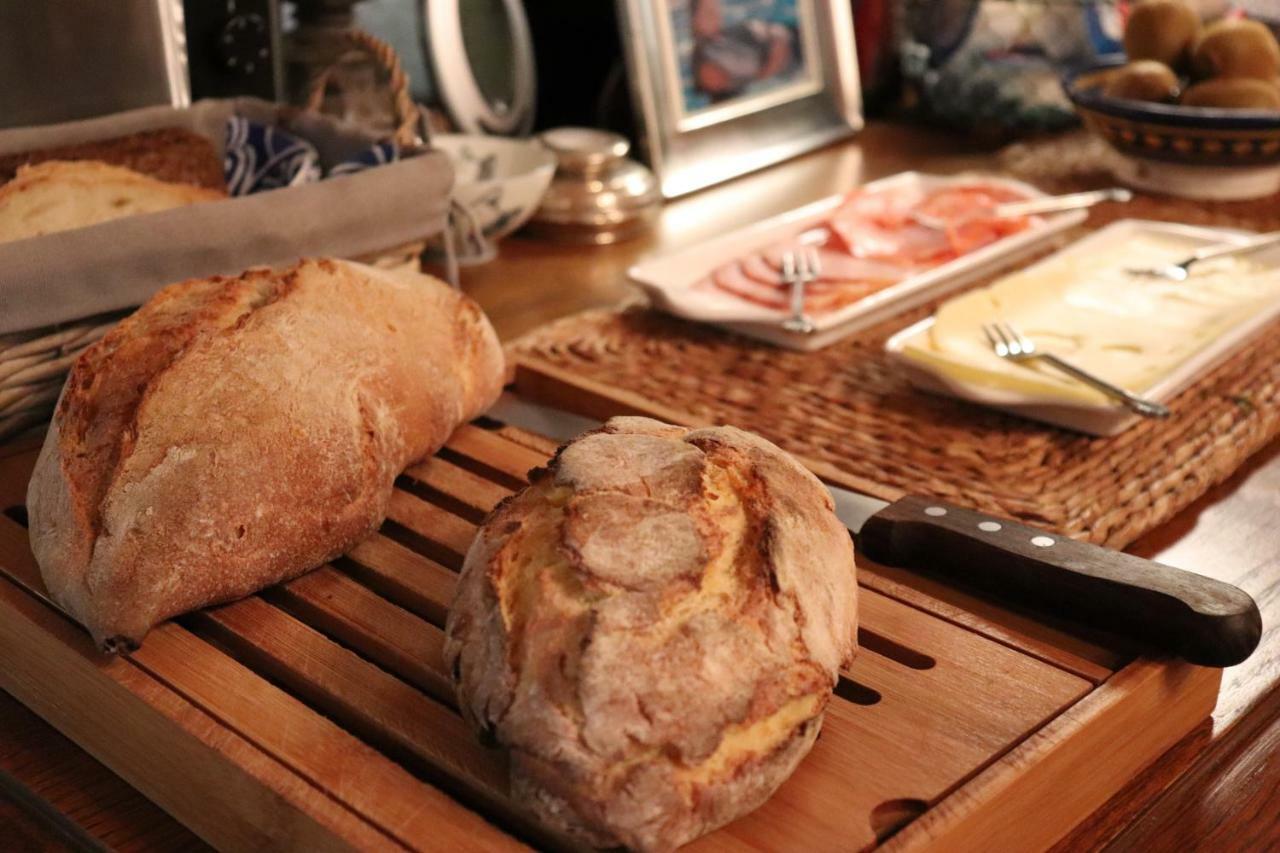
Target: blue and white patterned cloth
[262, 157]
[374, 155]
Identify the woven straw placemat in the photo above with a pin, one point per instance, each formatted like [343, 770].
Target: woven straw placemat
[847, 408]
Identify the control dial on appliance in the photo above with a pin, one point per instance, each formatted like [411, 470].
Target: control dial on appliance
[244, 42]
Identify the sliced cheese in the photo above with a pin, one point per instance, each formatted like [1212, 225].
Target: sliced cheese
[1130, 330]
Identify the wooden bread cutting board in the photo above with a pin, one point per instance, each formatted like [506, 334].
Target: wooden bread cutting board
[318, 715]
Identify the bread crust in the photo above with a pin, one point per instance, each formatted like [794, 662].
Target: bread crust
[653, 629]
[236, 432]
[171, 154]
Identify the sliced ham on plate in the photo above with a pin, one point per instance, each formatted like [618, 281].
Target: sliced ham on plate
[872, 241]
[868, 230]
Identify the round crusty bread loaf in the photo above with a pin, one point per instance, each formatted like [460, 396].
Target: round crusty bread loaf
[653, 629]
[237, 431]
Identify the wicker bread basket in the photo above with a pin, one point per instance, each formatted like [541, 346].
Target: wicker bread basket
[34, 363]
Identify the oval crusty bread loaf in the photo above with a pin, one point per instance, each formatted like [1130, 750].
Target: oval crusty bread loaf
[235, 432]
[58, 196]
[653, 629]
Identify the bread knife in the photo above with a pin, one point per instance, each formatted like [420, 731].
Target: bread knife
[1172, 611]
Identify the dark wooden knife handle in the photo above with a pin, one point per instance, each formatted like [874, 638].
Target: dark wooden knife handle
[1198, 618]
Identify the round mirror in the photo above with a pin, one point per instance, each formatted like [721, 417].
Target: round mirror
[482, 63]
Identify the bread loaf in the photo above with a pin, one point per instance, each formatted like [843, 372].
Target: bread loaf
[235, 432]
[58, 196]
[653, 629]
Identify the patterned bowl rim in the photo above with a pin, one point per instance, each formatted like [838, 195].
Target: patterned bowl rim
[1200, 118]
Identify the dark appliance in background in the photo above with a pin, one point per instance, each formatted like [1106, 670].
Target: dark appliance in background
[878, 69]
[577, 49]
[234, 48]
[69, 59]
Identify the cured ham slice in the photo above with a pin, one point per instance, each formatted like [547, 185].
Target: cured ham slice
[732, 278]
[887, 207]
[974, 234]
[909, 243]
[954, 204]
[762, 268]
[820, 296]
[835, 265]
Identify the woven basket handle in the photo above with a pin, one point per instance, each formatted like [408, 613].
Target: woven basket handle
[463, 240]
[407, 117]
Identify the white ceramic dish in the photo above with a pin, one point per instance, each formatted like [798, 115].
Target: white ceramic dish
[668, 279]
[501, 180]
[1205, 183]
[1096, 419]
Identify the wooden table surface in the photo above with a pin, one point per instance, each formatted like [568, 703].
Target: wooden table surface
[1217, 790]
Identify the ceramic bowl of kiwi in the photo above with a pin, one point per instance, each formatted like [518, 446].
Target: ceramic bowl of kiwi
[1192, 105]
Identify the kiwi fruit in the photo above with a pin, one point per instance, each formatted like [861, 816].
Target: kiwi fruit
[1162, 30]
[1236, 48]
[1241, 93]
[1143, 80]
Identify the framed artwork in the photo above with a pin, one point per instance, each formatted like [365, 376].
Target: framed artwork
[724, 87]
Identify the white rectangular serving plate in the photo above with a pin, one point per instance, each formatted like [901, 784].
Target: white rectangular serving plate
[667, 279]
[1100, 420]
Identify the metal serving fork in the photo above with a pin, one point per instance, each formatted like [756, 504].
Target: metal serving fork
[1028, 207]
[1181, 270]
[798, 269]
[1008, 342]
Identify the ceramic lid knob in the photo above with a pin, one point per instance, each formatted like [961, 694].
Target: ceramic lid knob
[585, 149]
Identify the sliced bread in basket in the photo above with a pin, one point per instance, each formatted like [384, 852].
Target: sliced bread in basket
[60, 195]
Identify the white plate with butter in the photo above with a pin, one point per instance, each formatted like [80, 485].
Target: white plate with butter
[1151, 336]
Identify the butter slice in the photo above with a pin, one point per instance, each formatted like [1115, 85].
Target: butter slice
[1130, 330]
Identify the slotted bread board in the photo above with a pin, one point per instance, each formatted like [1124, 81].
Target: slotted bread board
[318, 715]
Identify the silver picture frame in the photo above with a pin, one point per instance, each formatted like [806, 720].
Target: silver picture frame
[692, 146]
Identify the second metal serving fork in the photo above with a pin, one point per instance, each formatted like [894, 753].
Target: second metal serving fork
[1007, 342]
[798, 269]
[1181, 270]
[1027, 207]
